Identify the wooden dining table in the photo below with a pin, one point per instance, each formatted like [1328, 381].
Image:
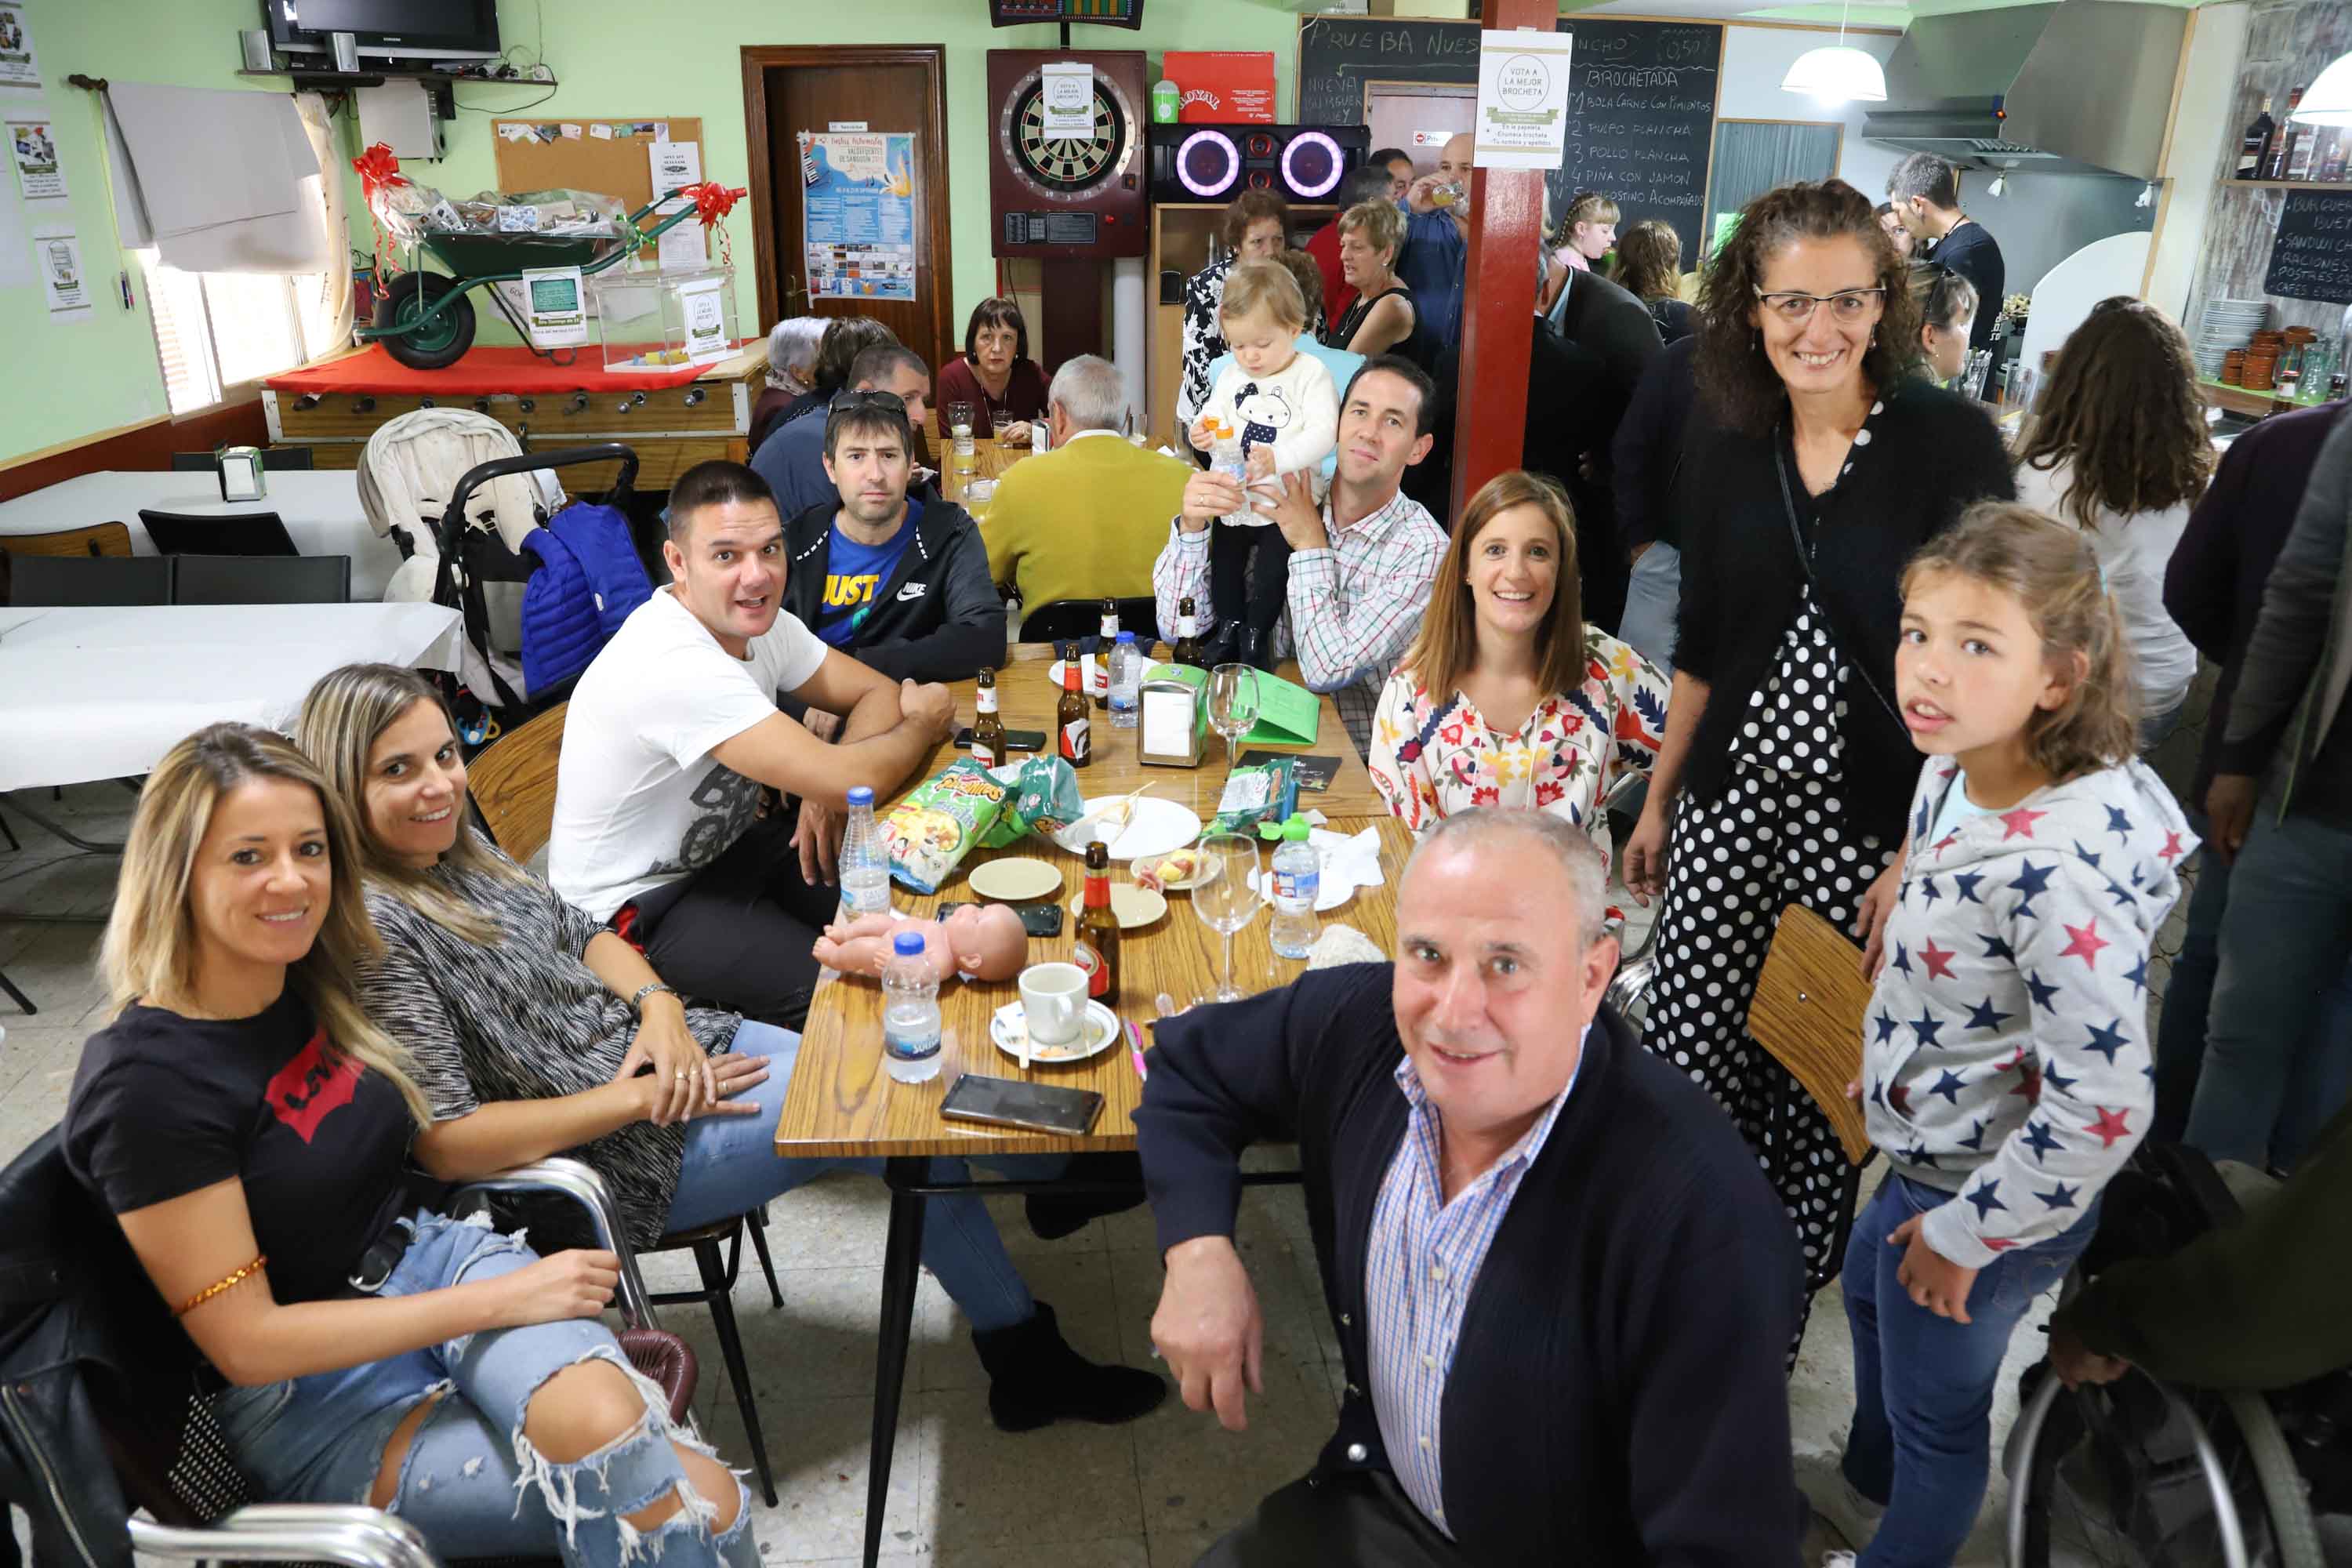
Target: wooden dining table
[841, 1102]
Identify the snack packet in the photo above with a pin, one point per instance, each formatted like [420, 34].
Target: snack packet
[1261, 791]
[1043, 798]
[927, 834]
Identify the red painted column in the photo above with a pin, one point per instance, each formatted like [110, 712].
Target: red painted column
[1499, 301]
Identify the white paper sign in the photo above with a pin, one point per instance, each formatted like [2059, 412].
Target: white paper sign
[570, 133]
[20, 65]
[57, 254]
[33, 148]
[1067, 99]
[843, 127]
[706, 320]
[601, 132]
[558, 307]
[675, 166]
[1522, 99]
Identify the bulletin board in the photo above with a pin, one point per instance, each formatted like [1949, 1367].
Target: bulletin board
[613, 166]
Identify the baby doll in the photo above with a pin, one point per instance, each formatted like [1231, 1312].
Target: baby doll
[980, 942]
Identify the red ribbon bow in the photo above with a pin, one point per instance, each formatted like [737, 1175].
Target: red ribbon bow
[712, 201]
[377, 168]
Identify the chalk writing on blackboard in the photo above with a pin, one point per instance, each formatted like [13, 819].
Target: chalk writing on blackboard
[2311, 256]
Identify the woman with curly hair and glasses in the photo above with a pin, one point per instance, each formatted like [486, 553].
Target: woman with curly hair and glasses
[2126, 470]
[1787, 770]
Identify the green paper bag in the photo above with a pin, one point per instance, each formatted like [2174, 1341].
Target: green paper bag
[1288, 714]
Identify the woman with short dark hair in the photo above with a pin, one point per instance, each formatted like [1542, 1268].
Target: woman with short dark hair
[995, 373]
[1828, 464]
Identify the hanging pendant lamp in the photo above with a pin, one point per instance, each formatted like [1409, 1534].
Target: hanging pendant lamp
[1838, 73]
[2328, 101]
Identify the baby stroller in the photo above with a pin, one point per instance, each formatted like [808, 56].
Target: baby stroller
[2142, 1474]
[456, 493]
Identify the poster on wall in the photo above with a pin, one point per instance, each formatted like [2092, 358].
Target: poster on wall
[56, 253]
[19, 65]
[1522, 99]
[32, 147]
[675, 166]
[857, 215]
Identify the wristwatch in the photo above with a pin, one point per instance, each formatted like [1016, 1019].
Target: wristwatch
[637, 1003]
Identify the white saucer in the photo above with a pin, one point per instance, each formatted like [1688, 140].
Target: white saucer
[1099, 1033]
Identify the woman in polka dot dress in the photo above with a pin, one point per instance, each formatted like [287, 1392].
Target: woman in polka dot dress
[1785, 772]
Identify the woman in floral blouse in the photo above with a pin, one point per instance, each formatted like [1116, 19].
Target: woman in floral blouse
[1572, 708]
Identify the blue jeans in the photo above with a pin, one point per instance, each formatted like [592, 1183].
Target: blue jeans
[2321, 1077]
[471, 1482]
[732, 1167]
[2278, 1032]
[1652, 597]
[1922, 1386]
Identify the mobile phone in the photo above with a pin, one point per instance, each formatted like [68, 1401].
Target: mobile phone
[1009, 1102]
[1040, 920]
[950, 906]
[1014, 740]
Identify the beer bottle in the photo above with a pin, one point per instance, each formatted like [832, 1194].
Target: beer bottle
[1102, 656]
[1070, 715]
[1098, 934]
[987, 730]
[1188, 636]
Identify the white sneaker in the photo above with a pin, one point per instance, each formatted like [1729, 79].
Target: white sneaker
[1822, 1477]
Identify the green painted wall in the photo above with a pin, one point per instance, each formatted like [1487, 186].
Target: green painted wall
[616, 58]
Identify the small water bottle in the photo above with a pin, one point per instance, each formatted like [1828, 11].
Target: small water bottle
[864, 867]
[911, 1012]
[1225, 458]
[1126, 681]
[1297, 882]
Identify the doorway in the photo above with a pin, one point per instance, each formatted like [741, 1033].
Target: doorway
[1419, 117]
[789, 89]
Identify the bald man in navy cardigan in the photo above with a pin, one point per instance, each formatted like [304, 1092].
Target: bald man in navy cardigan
[1562, 1288]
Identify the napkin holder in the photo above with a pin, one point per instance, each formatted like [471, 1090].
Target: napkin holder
[239, 471]
[1171, 723]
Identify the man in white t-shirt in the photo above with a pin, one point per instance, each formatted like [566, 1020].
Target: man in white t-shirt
[673, 742]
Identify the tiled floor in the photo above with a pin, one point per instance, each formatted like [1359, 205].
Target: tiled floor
[1154, 1493]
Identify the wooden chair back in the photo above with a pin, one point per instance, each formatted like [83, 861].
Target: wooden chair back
[513, 784]
[1808, 1012]
[98, 538]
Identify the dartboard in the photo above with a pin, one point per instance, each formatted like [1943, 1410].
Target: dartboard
[1057, 161]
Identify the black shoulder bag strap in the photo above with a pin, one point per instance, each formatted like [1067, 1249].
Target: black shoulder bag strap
[1805, 565]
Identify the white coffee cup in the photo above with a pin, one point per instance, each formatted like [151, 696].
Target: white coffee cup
[1053, 999]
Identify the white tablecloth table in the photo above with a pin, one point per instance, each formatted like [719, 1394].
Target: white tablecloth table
[321, 511]
[91, 694]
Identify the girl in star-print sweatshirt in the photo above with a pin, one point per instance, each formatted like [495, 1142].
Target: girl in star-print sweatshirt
[2005, 1066]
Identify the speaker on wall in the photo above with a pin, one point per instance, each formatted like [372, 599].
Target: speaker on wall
[1217, 162]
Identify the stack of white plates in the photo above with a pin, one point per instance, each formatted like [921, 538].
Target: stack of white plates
[2227, 324]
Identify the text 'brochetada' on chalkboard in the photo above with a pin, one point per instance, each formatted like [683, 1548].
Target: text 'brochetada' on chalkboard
[2312, 257]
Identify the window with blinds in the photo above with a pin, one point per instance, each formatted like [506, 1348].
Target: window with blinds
[216, 329]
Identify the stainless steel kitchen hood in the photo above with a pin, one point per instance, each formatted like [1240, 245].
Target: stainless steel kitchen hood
[2082, 87]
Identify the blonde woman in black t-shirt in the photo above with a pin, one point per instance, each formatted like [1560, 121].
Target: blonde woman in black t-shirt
[250, 1129]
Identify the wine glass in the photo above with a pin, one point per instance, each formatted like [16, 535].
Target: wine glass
[1232, 706]
[1222, 897]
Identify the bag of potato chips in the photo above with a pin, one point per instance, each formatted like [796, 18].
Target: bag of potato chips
[928, 833]
[1044, 799]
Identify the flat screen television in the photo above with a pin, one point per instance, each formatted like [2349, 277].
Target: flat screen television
[400, 30]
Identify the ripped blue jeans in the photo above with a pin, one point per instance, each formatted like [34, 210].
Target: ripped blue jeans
[471, 1482]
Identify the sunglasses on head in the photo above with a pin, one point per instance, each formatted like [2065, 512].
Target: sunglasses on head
[844, 400]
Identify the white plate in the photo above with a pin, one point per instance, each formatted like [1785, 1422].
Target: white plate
[1328, 895]
[1017, 880]
[1086, 675]
[1096, 1036]
[1132, 905]
[1154, 828]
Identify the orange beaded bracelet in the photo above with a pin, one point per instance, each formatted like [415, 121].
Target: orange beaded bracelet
[209, 1291]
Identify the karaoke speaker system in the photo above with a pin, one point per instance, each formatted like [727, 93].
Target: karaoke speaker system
[1217, 162]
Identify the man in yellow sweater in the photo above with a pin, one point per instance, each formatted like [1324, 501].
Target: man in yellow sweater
[1086, 520]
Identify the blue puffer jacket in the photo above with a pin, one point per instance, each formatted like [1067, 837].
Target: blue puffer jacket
[588, 581]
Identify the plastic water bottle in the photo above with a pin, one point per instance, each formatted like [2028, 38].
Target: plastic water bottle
[911, 1012]
[1225, 458]
[1298, 881]
[1126, 681]
[865, 869]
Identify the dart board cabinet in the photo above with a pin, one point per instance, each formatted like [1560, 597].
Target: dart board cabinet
[1068, 195]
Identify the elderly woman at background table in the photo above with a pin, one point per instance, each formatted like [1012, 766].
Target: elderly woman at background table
[1508, 698]
[995, 373]
[1255, 227]
[792, 372]
[846, 337]
[1828, 463]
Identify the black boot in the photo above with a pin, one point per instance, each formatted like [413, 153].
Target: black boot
[1036, 1379]
[1257, 649]
[1222, 646]
[1052, 1216]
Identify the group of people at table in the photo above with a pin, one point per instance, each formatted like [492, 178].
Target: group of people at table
[1904, 681]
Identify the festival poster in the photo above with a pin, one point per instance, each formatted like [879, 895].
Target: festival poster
[20, 65]
[858, 214]
[33, 148]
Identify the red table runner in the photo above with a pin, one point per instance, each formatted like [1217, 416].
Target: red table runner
[510, 368]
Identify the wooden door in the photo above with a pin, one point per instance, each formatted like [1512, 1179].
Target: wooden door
[789, 89]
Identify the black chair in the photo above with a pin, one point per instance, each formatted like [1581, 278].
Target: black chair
[81, 581]
[240, 533]
[287, 460]
[262, 580]
[1068, 620]
[192, 462]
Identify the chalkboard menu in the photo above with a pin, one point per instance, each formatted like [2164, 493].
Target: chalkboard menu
[2312, 257]
[1641, 101]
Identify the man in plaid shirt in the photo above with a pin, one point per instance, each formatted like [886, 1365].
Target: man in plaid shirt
[1363, 562]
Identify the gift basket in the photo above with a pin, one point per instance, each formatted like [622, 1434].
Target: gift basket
[423, 320]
